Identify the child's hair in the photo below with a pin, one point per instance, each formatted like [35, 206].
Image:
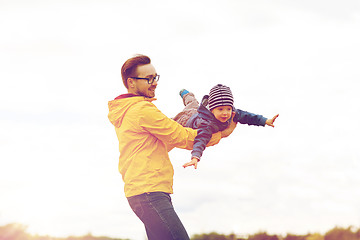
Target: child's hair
[220, 95]
[129, 67]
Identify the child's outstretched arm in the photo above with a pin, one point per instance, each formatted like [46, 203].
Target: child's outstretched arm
[270, 121]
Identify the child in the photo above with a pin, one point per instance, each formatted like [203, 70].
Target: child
[213, 115]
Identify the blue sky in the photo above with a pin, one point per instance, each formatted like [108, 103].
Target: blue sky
[60, 63]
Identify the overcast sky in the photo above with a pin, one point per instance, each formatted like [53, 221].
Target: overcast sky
[60, 64]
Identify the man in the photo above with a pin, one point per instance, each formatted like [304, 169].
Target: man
[145, 136]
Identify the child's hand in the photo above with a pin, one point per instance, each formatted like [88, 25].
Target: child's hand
[270, 122]
[193, 162]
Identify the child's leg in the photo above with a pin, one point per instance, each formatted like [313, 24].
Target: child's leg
[191, 106]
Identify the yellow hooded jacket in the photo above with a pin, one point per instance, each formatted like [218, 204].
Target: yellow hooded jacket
[145, 136]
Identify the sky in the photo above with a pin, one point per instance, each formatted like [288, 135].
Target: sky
[60, 65]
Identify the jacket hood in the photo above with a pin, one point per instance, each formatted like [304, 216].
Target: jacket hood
[121, 104]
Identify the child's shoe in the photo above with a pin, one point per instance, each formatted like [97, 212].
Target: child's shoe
[183, 92]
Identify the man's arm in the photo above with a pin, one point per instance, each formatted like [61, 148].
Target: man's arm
[169, 131]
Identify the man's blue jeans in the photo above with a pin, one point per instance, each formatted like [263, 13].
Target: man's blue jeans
[156, 211]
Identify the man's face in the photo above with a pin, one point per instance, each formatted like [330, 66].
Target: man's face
[222, 113]
[141, 86]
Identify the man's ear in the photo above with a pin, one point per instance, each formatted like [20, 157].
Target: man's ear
[130, 82]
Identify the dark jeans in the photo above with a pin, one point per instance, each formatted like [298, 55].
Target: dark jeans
[156, 211]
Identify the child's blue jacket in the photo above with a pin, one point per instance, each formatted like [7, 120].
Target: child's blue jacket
[207, 124]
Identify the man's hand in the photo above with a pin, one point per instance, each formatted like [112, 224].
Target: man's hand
[230, 129]
[270, 122]
[194, 161]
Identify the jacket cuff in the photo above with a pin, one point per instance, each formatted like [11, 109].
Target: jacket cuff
[263, 121]
[198, 158]
[196, 155]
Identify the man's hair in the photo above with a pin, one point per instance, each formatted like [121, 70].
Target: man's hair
[129, 67]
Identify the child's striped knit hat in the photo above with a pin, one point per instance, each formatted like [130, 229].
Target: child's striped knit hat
[220, 95]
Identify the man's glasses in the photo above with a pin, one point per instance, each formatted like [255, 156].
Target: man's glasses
[150, 80]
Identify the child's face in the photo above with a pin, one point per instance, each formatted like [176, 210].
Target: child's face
[222, 113]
